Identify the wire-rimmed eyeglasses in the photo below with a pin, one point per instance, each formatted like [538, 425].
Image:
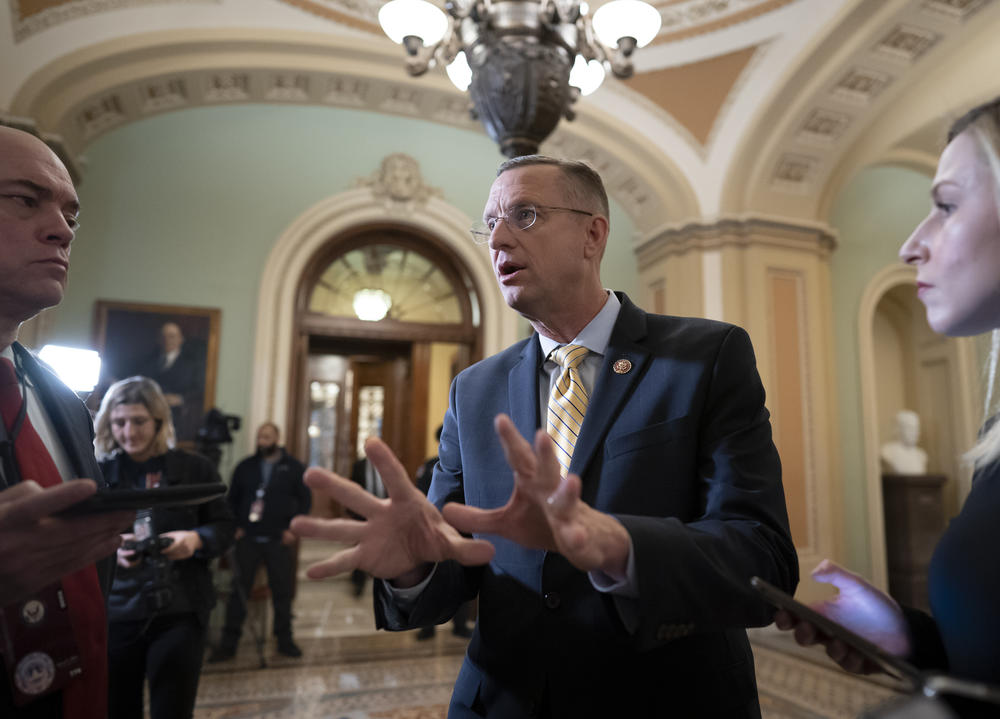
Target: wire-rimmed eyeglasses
[518, 217]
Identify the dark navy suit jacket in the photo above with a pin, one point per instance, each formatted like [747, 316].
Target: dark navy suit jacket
[75, 429]
[679, 449]
[73, 426]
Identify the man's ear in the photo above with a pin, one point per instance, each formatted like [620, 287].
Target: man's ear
[597, 237]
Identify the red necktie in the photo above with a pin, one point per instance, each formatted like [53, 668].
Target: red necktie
[85, 696]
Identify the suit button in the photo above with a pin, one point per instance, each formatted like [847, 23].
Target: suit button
[553, 600]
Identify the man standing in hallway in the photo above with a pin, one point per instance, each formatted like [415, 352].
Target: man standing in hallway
[616, 472]
[266, 492]
[52, 593]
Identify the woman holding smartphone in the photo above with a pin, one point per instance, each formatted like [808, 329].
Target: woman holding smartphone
[162, 594]
[956, 253]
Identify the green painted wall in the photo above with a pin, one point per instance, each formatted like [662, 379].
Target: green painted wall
[873, 215]
[183, 208]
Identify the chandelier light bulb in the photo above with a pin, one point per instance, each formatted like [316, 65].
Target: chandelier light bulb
[371, 305]
[626, 18]
[587, 76]
[459, 72]
[401, 18]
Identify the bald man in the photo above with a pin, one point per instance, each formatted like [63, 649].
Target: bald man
[54, 572]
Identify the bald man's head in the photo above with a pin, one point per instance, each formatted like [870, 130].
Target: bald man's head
[38, 210]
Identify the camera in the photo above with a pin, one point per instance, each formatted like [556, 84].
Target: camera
[158, 592]
[215, 431]
[216, 427]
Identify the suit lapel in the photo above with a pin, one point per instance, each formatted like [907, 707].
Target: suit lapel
[53, 395]
[522, 390]
[612, 389]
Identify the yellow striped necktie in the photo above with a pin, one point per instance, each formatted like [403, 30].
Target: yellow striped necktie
[567, 402]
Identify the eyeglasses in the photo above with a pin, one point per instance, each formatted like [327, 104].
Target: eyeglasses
[518, 217]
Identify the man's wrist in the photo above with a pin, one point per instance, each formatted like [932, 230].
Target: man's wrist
[412, 578]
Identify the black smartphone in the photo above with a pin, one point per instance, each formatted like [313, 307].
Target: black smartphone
[890, 664]
[114, 500]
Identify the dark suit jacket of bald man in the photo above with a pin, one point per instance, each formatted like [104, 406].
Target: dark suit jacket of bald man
[679, 449]
[73, 426]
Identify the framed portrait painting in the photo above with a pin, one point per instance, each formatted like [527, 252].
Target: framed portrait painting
[176, 346]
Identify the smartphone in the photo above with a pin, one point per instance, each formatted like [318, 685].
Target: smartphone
[115, 500]
[890, 664]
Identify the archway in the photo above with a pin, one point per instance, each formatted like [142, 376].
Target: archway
[883, 305]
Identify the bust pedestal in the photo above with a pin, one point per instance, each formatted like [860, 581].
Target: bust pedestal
[914, 520]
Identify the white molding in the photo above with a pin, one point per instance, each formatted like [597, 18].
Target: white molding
[883, 281]
[274, 345]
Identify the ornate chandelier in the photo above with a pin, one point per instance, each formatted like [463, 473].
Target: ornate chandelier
[524, 62]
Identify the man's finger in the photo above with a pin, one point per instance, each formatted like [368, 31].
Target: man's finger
[516, 449]
[472, 552]
[33, 502]
[394, 475]
[19, 491]
[472, 519]
[343, 490]
[343, 561]
[337, 530]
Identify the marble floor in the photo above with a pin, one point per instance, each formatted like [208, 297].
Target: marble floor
[350, 671]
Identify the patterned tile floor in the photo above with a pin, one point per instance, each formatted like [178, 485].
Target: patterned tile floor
[350, 671]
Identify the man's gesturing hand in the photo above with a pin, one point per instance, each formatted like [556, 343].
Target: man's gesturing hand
[398, 535]
[545, 511]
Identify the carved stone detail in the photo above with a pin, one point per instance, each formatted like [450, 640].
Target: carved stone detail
[955, 9]
[795, 172]
[27, 25]
[398, 181]
[861, 85]
[823, 126]
[907, 42]
[228, 87]
[102, 115]
[163, 95]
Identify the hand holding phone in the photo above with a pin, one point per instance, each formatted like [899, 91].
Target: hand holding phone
[849, 649]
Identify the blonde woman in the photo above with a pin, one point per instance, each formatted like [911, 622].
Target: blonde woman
[956, 252]
[162, 593]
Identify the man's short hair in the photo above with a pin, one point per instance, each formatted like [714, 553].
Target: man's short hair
[583, 185]
[272, 425]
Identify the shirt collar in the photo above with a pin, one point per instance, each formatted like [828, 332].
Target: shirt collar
[596, 335]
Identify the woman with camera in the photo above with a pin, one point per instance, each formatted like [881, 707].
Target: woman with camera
[162, 594]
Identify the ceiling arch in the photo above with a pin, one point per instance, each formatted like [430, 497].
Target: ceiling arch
[98, 88]
[841, 106]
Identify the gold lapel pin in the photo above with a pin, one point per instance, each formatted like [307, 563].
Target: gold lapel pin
[622, 366]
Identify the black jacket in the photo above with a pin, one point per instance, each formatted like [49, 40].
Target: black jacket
[286, 495]
[212, 520]
[75, 429]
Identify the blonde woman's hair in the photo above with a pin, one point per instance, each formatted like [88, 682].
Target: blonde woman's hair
[133, 390]
[983, 123]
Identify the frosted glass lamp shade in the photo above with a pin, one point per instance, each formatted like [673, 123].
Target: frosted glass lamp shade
[459, 72]
[587, 76]
[626, 18]
[400, 18]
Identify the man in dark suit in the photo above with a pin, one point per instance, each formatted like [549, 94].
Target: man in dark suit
[612, 555]
[264, 495]
[46, 440]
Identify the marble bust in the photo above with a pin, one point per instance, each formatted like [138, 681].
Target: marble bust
[902, 455]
